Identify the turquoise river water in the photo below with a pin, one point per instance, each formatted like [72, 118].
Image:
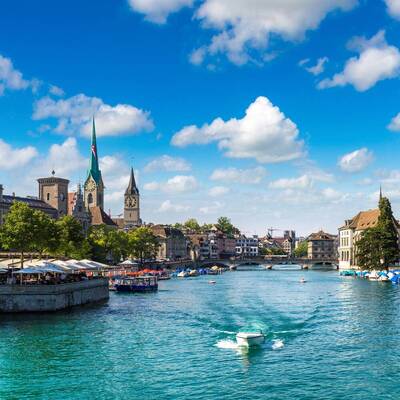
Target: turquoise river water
[330, 338]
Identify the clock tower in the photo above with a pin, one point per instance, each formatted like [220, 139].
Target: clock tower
[94, 186]
[132, 205]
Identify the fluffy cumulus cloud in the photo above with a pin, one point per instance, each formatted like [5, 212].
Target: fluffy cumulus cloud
[264, 134]
[218, 191]
[158, 10]
[377, 60]
[10, 78]
[301, 182]
[252, 176]
[169, 206]
[356, 161]
[63, 158]
[245, 25]
[168, 163]
[75, 113]
[11, 158]
[393, 7]
[242, 27]
[177, 184]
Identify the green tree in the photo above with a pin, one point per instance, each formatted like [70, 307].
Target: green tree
[72, 242]
[143, 244]
[224, 225]
[18, 231]
[108, 244]
[378, 247]
[388, 237]
[192, 225]
[368, 249]
[301, 250]
[46, 233]
[206, 228]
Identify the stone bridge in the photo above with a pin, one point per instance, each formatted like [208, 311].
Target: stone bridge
[253, 262]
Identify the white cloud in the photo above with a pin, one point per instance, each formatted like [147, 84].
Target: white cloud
[12, 158]
[395, 124]
[212, 208]
[251, 176]
[376, 61]
[391, 177]
[10, 78]
[318, 68]
[56, 91]
[333, 195]
[356, 161]
[244, 25]
[168, 206]
[63, 159]
[168, 163]
[158, 10]
[393, 7]
[218, 191]
[301, 182]
[177, 184]
[264, 133]
[116, 174]
[74, 115]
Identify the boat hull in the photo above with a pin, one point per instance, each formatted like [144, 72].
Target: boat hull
[135, 289]
[249, 340]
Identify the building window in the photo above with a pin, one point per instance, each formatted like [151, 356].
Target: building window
[90, 198]
[48, 196]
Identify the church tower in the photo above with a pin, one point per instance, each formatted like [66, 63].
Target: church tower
[132, 205]
[94, 186]
[54, 191]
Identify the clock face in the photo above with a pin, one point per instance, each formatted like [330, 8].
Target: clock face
[131, 201]
[90, 186]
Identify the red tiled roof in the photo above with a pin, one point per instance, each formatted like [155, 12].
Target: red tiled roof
[99, 217]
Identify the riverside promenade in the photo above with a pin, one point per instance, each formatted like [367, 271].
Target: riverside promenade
[41, 298]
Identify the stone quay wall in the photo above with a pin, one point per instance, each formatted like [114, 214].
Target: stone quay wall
[41, 298]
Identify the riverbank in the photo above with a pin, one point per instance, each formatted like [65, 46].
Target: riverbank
[44, 298]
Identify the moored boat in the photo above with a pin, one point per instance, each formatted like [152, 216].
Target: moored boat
[183, 274]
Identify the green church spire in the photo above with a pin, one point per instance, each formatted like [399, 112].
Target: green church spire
[94, 169]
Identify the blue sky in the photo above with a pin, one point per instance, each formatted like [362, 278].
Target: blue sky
[170, 82]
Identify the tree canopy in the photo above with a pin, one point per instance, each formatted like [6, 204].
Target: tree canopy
[378, 246]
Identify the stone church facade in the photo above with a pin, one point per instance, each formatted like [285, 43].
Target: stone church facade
[88, 206]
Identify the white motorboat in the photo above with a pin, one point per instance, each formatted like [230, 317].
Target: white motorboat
[373, 276]
[250, 339]
[183, 274]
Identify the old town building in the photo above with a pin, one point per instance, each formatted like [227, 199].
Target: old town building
[351, 232]
[322, 246]
[173, 244]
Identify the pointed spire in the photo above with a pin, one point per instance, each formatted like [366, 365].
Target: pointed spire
[132, 188]
[94, 170]
[380, 192]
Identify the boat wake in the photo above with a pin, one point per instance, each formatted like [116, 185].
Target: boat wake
[277, 344]
[229, 344]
